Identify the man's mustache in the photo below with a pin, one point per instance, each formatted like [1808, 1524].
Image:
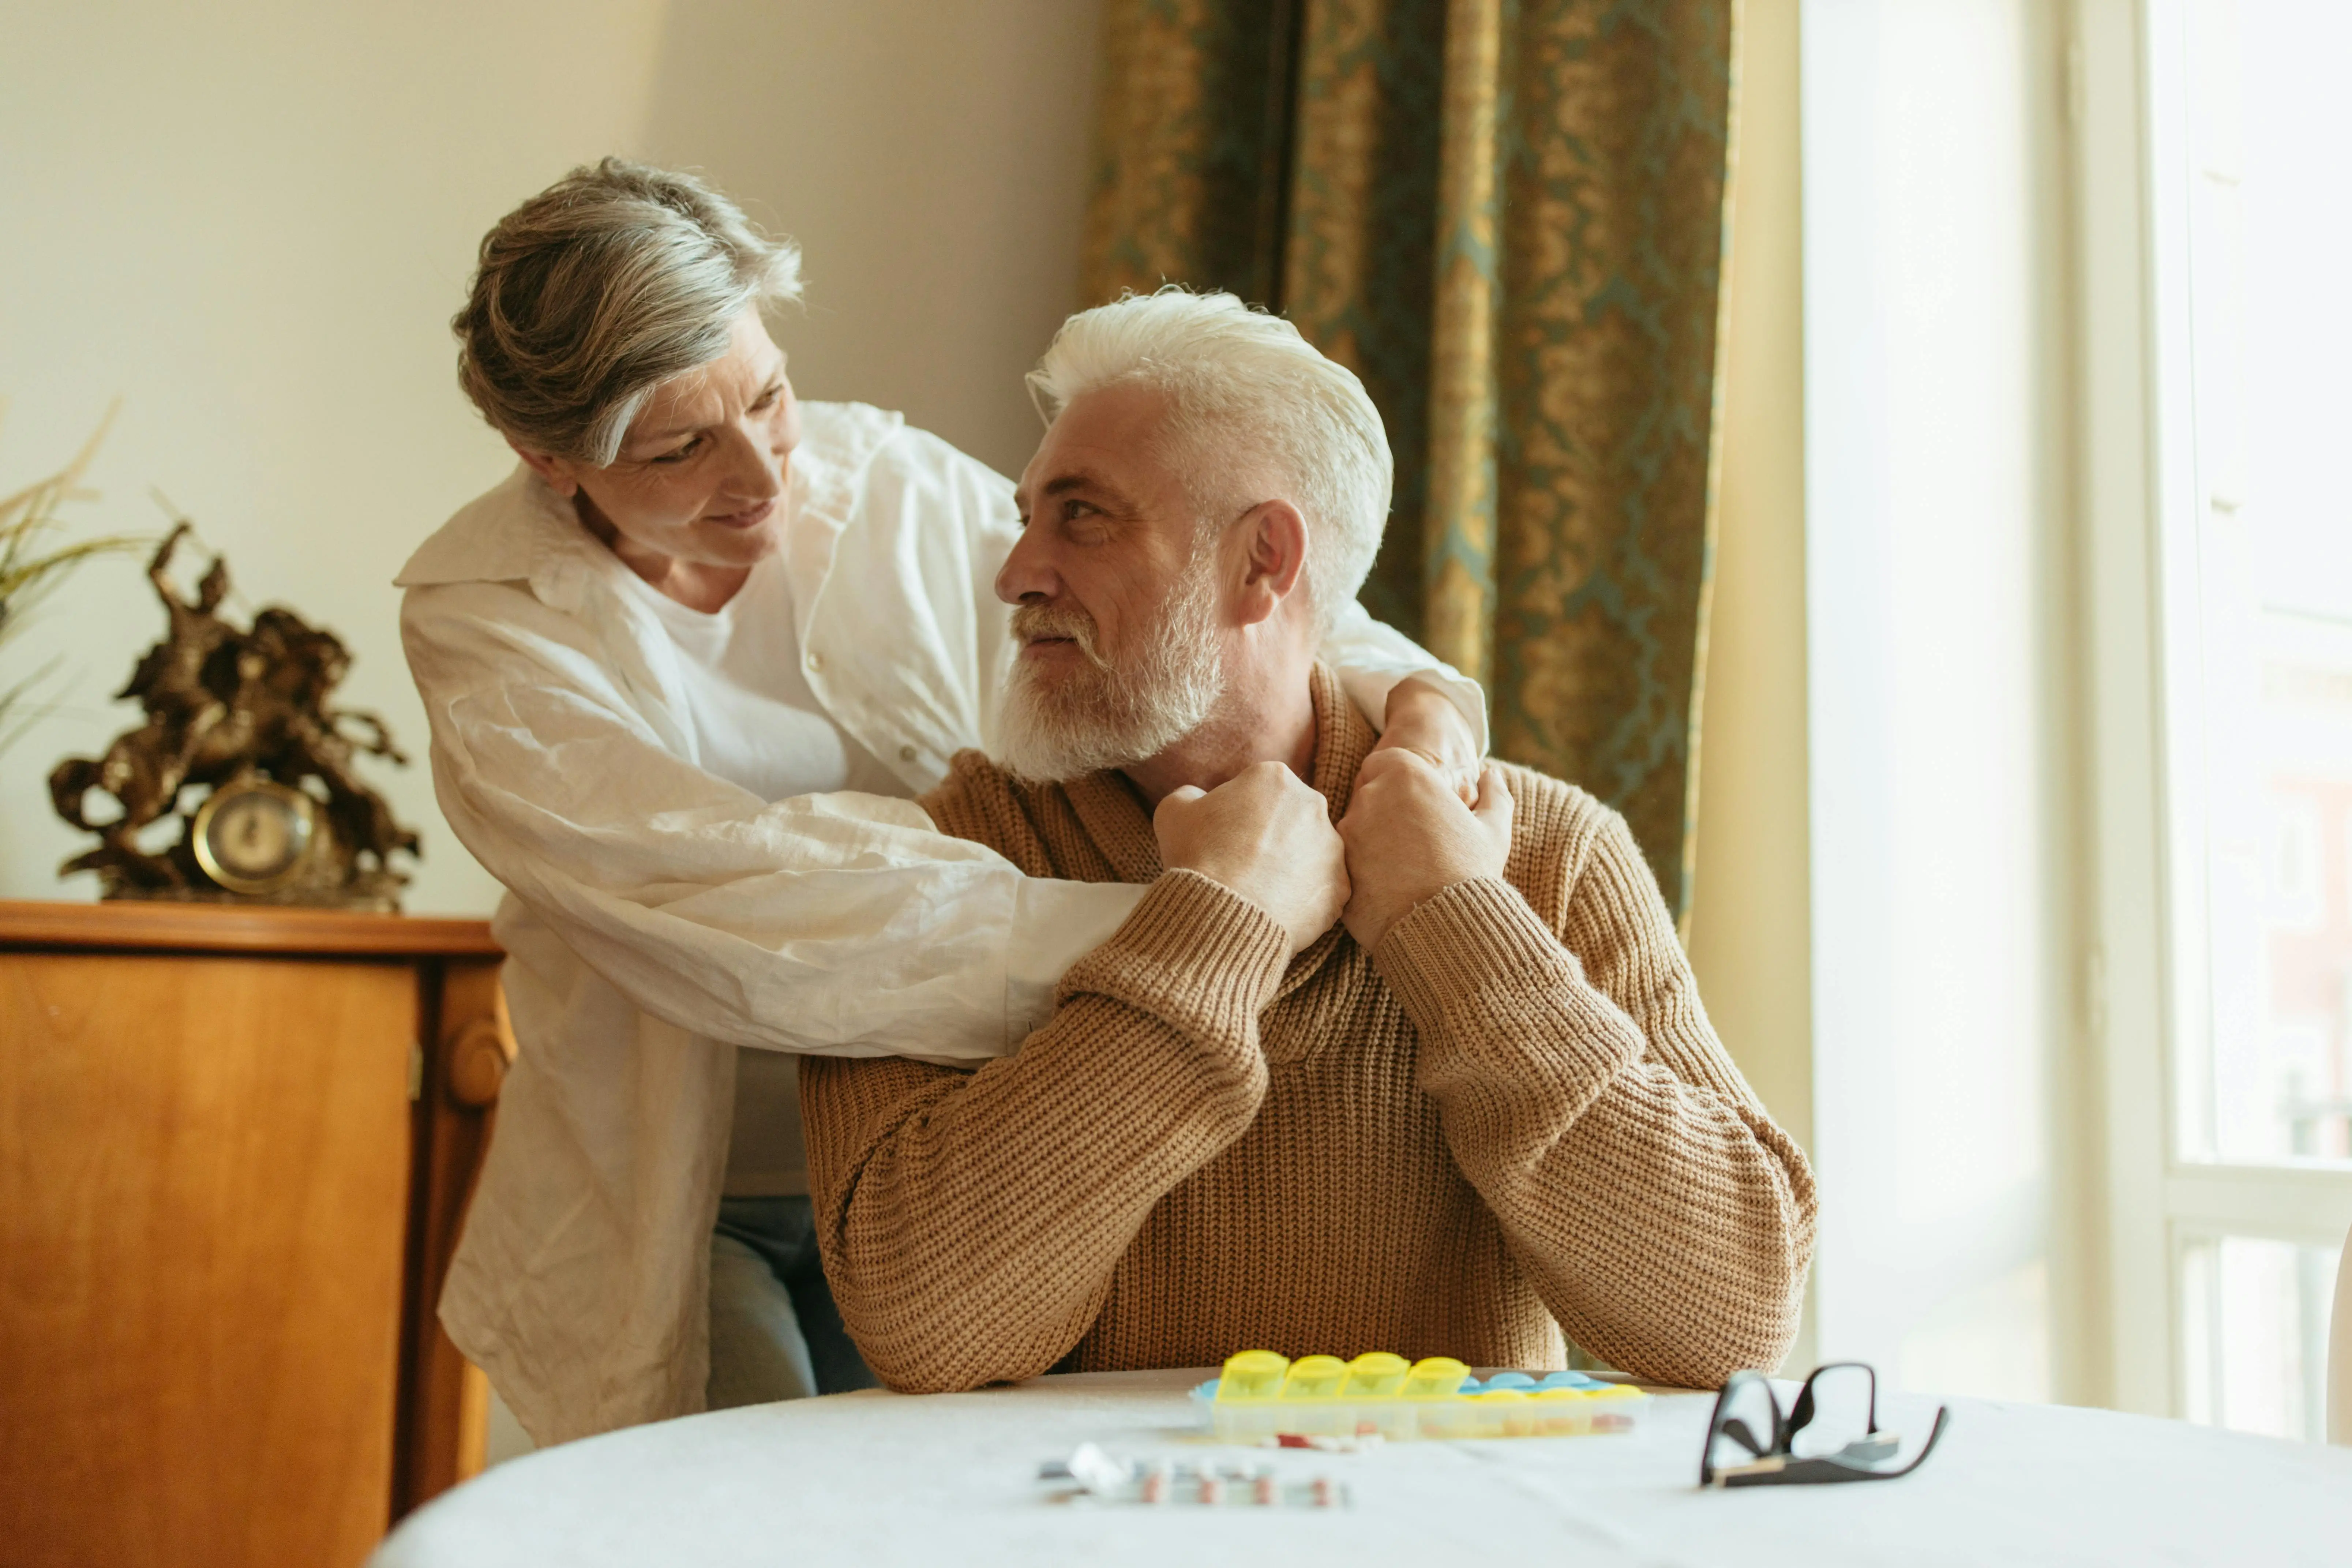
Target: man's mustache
[1032, 622]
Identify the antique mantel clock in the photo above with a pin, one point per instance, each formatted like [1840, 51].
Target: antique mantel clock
[241, 749]
[251, 834]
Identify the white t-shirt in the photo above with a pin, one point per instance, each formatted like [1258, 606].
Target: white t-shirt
[756, 725]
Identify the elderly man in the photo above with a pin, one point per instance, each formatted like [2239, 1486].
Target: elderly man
[1482, 1108]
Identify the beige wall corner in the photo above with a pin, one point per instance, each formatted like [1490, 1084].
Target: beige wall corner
[1750, 937]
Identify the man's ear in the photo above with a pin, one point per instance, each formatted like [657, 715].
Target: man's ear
[562, 476]
[1273, 537]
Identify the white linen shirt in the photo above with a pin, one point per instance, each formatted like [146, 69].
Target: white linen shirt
[658, 915]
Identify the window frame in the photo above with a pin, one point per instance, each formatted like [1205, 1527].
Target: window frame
[2148, 1009]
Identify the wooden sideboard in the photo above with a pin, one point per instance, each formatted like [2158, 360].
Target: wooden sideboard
[236, 1144]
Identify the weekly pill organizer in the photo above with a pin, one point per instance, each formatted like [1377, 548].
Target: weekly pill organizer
[1262, 1397]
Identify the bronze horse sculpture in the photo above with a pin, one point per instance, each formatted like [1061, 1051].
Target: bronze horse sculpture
[221, 703]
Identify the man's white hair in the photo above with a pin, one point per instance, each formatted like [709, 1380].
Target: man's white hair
[1250, 401]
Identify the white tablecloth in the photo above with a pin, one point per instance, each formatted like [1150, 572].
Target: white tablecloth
[876, 1479]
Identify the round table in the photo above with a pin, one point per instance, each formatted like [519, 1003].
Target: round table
[878, 1478]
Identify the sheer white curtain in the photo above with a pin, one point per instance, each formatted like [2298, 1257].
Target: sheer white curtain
[1936, 496]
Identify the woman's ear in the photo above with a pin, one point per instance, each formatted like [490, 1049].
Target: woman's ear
[560, 474]
[1274, 558]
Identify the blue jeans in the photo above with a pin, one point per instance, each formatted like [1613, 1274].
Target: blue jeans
[774, 1331]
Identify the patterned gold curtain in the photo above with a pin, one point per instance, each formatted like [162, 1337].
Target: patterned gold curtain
[1507, 216]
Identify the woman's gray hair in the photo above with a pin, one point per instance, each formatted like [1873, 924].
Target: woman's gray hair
[1249, 400]
[599, 288]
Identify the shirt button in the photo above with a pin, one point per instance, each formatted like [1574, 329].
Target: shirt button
[906, 753]
[816, 661]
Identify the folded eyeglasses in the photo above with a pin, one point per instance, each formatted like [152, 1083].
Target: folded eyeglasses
[1768, 1458]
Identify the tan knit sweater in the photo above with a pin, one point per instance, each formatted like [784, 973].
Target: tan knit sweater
[1511, 1120]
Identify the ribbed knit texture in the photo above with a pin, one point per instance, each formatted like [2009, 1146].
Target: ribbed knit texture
[1512, 1119]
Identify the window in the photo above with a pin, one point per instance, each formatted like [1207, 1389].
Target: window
[2228, 1048]
[2253, 1322]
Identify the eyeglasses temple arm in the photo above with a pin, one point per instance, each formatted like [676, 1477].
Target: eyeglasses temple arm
[1943, 1414]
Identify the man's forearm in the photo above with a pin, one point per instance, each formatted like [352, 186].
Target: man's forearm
[1666, 1223]
[970, 1222]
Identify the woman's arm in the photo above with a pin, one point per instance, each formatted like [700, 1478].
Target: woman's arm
[1373, 658]
[1416, 700]
[839, 923]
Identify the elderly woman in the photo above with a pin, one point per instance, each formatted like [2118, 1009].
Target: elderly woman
[684, 670]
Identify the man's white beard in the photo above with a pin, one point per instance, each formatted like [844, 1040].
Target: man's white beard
[1110, 715]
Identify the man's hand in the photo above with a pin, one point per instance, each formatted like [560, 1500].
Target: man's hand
[1268, 837]
[1423, 719]
[1409, 838]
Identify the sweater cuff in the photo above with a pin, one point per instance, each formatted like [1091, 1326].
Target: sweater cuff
[1195, 952]
[1450, 946]
[1476, 959]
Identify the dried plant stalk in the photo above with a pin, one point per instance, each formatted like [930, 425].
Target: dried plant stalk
[32, 567]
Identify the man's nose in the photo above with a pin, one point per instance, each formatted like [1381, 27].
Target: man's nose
[1027, 575]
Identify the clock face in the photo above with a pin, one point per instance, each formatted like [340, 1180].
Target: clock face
[251, 837]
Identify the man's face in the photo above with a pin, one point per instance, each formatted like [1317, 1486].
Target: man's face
[1117, 585]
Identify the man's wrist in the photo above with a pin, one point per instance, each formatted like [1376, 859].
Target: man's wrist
[1406, 904]
[1457, 938]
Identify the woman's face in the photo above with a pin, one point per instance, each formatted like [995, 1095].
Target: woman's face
[700, 479]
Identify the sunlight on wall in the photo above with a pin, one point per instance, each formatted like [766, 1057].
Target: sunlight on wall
[254, 221]
[1748, 937]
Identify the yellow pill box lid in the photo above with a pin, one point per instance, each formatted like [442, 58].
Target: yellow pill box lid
[1375, 1374]
[1253, 1374]
[1314, 1377]
[1433, 1377]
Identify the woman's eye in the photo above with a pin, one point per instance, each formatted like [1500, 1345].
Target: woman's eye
[767, 400]
[680, 454]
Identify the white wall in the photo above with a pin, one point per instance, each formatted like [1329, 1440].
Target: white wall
[253, 221]
[931, 156]
[1936, 429]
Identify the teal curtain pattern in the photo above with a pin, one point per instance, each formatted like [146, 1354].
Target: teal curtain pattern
[1507, 217]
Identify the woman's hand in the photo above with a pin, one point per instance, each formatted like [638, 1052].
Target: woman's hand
[1423, 720]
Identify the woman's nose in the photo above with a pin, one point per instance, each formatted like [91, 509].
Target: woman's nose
[755, 466]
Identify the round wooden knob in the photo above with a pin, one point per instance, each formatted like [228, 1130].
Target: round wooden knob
[477, 1064]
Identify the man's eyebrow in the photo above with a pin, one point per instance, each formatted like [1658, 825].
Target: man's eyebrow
[1087, 480]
